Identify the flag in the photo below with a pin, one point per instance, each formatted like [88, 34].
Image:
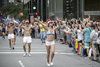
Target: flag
[78, 49]
[2, 19]
[61, 29]
[76, 44]
[82, 52]
[7, 19]
[56, 31]
[15, 21]
[65, 31]
[85, 19]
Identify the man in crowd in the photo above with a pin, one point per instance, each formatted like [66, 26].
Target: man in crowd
[93, 43]
[27, 36]
[87, 32]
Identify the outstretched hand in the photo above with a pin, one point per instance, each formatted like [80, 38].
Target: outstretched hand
[36, 19]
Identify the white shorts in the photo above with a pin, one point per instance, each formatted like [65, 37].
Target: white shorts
[27, 39]
[10, 36]
[50, 43]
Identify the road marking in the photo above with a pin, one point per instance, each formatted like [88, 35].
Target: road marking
[31, 50]
[23, 52]
[20, 62]
[68, 53]
[36, 53]
[32, 47]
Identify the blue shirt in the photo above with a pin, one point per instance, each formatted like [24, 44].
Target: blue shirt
[87, 34]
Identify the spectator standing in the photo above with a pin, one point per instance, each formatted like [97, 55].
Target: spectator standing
[93, 43]
[86, 33]
[42, 33]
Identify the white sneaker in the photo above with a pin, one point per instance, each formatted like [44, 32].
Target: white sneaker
[48, 64]
[24, 54]
[10, 48]
[51, 63]
[29, 54]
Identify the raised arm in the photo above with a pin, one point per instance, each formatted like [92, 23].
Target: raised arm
[58, 25]
[20, 25]
[34, 25]
[14, 25]
[44, 26]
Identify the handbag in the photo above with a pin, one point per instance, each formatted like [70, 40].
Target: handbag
[98, 40]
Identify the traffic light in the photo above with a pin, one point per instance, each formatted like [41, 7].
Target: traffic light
[68, 6]
[36, 15]
[34, 6]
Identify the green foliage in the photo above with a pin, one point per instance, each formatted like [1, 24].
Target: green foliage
[13, 10]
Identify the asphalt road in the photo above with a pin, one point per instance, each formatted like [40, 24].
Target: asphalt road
[63, 55]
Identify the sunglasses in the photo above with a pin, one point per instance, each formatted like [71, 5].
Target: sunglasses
[27, 23]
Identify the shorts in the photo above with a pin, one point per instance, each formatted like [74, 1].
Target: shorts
[50, 43]
[10, 36]
[80, 41]
[27, 39]
[87, 44]
[14, 33]
[3, 31]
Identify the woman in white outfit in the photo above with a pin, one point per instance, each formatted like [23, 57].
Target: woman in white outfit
[50, 44]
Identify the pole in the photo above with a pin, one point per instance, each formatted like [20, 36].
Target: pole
[78, 9]
[23, 4]
[71, 10]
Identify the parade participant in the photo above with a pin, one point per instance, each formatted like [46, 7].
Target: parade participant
[27, 36]
[36, 30]
[3, 31]
[0, 30]
[11, 35]
[50, 39]
[33, 31]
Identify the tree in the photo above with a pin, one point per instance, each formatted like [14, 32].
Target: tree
[13, 10]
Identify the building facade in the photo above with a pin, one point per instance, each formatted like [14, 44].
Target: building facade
[80, 9]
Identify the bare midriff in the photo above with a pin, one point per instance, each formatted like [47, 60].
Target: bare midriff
[27, 31]
[50, 38]
[10, 30]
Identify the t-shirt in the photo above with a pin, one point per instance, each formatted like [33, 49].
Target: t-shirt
[87, 34]
[41, 29]
[93, 35]
[80, 35]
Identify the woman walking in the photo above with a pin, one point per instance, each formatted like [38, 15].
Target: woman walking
[50, 43]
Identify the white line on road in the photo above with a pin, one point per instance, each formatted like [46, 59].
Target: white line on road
[36, 53]
[32, 47]
[68, 53]
[23, 52]
[31, 50]
[20, 62]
